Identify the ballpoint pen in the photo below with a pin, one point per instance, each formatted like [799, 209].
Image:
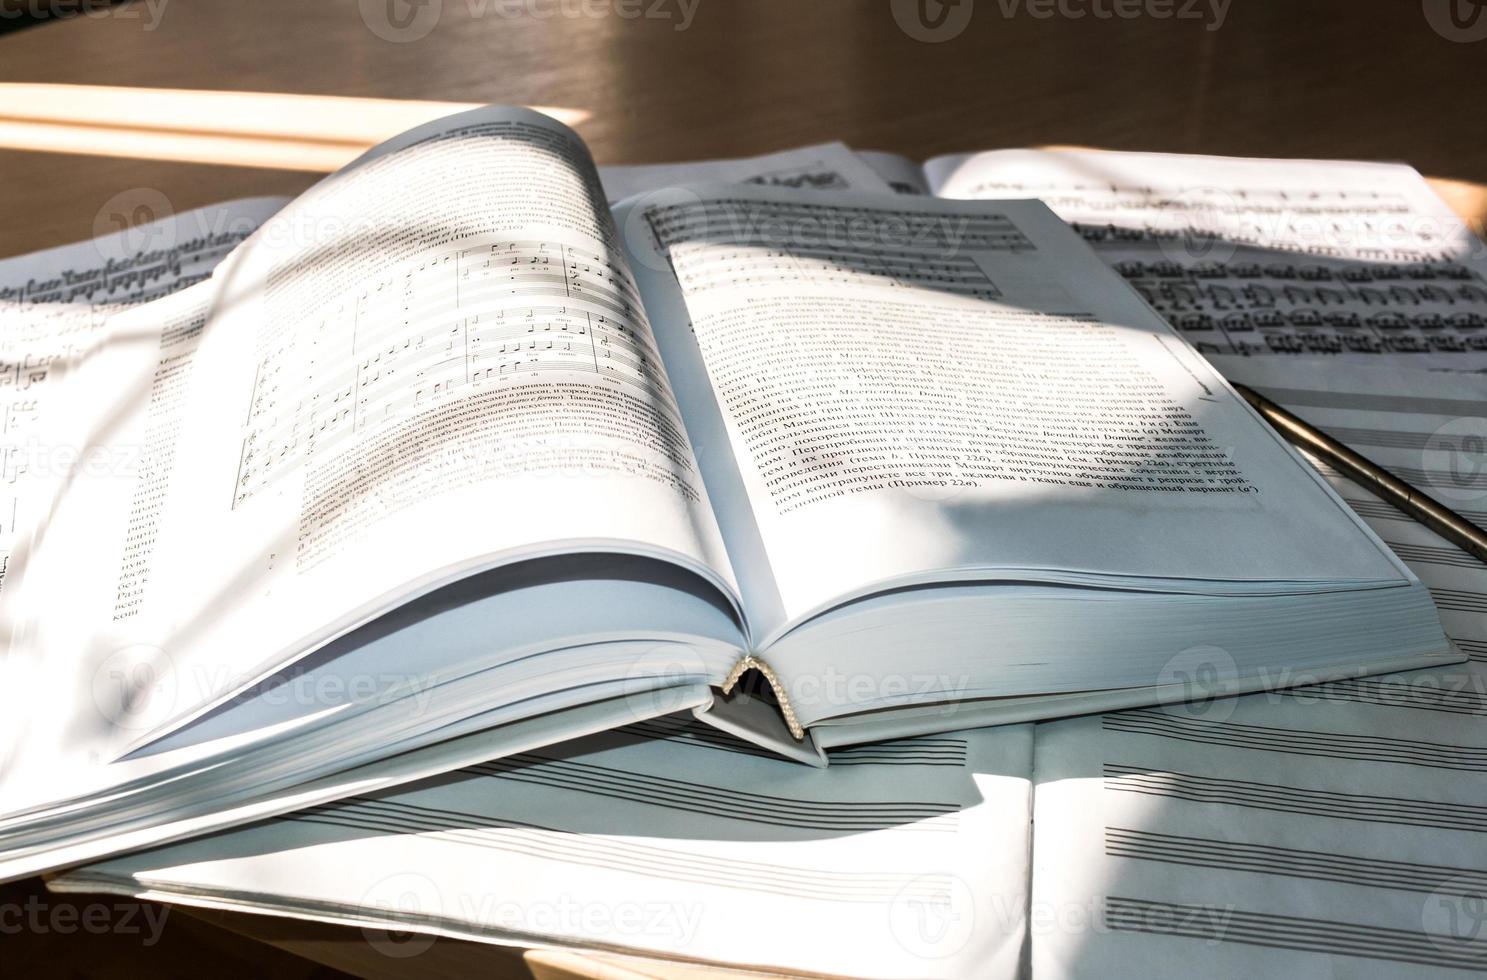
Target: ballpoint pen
[1416, 503]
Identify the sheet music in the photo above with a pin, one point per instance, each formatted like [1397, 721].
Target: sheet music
[903, 859]
[522, 311]
[1336, 830]
[1264, 256]
[827, 167]
[53, 305]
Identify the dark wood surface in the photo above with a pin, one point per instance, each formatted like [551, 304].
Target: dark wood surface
[1310, 78]
[1328, 78]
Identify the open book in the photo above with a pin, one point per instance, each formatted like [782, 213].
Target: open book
[447, 461]
[1333, 830]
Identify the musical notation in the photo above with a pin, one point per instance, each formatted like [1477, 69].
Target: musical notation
[54, 313]
[52, 318]
[1269, 306]
[1315, 270]
[507, 313]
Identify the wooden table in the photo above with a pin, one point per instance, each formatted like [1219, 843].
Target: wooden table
[711, 78]
[1338, 78]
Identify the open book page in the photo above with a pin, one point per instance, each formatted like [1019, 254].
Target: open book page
[827, 167]
[906, 859]
[53, 305]
[1334, 830]
[433, 362]
[918, 391]
[1264, 256]
[358, 699]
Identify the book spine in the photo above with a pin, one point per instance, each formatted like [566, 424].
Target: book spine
[752, 662]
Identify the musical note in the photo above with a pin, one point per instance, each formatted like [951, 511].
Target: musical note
[504, 313]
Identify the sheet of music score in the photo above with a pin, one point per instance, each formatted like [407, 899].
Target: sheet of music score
[518, 311]
[1259, 256]
[54, 305]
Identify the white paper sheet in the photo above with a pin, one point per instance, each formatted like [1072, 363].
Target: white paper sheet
[902, 860]
[1332, 831]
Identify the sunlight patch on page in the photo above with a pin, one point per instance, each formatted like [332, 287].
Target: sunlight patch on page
[278, 130]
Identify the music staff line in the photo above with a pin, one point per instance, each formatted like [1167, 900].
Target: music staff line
[372, 359]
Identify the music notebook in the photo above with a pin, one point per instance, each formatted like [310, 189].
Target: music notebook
[449, 461]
